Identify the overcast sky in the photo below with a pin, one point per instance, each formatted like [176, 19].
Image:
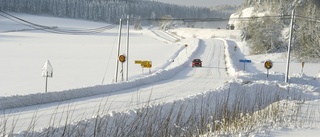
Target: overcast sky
[202, 3]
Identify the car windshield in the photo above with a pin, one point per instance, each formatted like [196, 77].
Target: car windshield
[197, 60]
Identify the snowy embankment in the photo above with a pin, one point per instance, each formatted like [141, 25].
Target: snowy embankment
[168, 71]
[192, 108]
[248, 92]
[302, 86]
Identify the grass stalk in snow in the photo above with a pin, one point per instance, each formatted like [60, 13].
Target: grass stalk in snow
[216, 113]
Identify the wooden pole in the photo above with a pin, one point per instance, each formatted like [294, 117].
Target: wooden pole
[46, 88]
[117, 61]
[289, 48]
[127, 75]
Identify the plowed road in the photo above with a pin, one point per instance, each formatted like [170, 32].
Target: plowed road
[189, 81]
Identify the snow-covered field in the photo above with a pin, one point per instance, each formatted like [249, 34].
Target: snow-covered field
[81, 62]
[78, 60]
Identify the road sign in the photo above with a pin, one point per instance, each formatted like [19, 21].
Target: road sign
[137, 61]
[122, 58]
[268, 64]
[245, 61]
[47, 70]
[146, 64]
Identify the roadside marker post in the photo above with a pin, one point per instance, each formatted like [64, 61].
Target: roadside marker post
[302, 66]
[47, 71]
[186, 47]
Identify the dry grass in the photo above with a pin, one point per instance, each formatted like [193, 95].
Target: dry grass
[208, 114]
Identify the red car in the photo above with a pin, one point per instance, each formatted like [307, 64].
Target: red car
[196, 63]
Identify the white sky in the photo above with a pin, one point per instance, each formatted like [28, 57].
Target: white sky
[202, 3]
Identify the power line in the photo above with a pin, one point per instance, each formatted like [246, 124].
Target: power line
[215, 19]
[286, 17]
[53, 29]
[19, 19]
[307, 18]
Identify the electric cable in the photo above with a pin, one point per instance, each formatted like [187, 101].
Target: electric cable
[216, 19]
[52, 29]
[59, 30]
[308, 18]
[107, 67]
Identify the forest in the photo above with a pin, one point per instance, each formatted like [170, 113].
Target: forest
[271, 34]
[109, 11]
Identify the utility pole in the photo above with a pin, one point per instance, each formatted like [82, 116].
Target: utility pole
[117, 61]
[128, 18]
[289, 47]
[46, 87]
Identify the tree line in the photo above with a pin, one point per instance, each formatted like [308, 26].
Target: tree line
[109, 11]
[269, 35]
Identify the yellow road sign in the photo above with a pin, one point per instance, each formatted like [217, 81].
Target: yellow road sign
[268, 64]
[137, 61]
[122, 58]
[146, 64]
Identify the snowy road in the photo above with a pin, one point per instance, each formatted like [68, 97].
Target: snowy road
[189, 81]
[164, 35]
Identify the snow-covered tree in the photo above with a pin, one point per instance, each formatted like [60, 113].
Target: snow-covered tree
[166, 22]
[264, 36]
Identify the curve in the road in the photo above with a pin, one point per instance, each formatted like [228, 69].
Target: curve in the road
[189, 81]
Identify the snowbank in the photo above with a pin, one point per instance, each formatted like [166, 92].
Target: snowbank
[249, 91]
[250, 88]
[169, 70]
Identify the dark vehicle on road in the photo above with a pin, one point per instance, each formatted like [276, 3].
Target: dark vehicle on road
[196, 63]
